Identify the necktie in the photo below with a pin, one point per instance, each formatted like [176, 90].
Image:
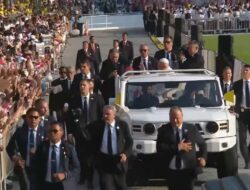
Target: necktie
[226, 88]
[145, 64]
[32, 139]
[69, 84]
[247, 95]
[85, 110]
[53, 162]
[178, 158]
[109, 140]
[167, 56]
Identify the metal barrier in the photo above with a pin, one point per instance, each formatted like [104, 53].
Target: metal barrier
[6, 165]
[116, 21]
[5, 162]
[218, 25]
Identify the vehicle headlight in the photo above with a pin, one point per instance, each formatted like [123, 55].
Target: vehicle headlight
[149, 128]
[212, 127]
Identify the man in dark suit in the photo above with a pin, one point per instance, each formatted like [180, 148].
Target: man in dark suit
[56, 165]
[242, 107]
[194, 59]
[59, 94]
[144, 62]
[22, 147]
[112, 143]
[126, 48]
[83, 54]
[84, 74]
[42, 107]
[95, 51]
[176, 142]
[226, 81]
[91, 106]
[111, 68]
[123, 60]
[168, 53]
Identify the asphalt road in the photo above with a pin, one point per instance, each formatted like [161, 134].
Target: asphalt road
[137, 36]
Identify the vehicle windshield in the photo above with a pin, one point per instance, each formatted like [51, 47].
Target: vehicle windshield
[167, 94]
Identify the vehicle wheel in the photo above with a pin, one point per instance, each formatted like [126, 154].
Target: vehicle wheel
[228, 163]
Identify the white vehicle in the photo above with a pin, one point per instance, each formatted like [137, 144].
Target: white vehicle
[146, 96]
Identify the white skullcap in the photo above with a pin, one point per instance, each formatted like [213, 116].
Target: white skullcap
[164, 60]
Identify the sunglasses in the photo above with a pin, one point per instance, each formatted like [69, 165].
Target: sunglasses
[143, 50]
[53, 131]
[63, 72]
[33, 117]
[167, 42]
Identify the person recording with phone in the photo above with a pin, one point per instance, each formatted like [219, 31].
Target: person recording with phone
[111, 68]
[86, 109]
[176, 143]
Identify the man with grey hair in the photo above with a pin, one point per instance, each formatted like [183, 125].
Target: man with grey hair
[112, 143]
[194, 60]
[111, 68]
[177, 140]
[163, 64]
[144, 61]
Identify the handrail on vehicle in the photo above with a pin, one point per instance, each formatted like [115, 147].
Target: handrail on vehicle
[193, 71]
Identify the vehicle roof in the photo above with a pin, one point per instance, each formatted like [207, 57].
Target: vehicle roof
[177, 75]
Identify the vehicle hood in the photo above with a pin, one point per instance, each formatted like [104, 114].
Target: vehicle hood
[189, 114]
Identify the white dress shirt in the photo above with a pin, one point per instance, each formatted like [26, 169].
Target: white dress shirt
[104, 146]
[57, 149]
[172, 162]
[88, 76]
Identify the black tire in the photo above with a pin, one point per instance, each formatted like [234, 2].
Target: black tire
[227, 164]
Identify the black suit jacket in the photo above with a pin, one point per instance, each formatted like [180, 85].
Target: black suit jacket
[193, 62]
[108, 86]
[96, 56]
[19, 141]
[168, 146]
[124, 145]
[238, 91]
[96, 105]
[81, 56]
[81, 133]
[127, 51]
[56, 101]
[68, 162]
[222, 85]
[75, 87]
[152, 63]
[161, 54]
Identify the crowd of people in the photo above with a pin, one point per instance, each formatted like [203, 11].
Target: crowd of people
[64, 140]
[23, 64]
